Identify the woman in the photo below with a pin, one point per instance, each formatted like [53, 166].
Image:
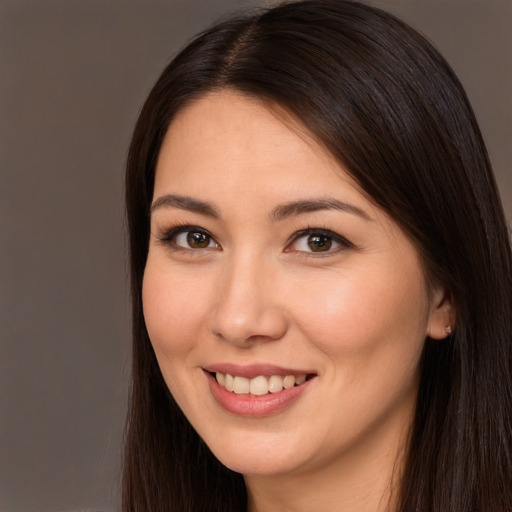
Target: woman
[321, 276]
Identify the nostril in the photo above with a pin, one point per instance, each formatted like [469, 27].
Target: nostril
[245, 321]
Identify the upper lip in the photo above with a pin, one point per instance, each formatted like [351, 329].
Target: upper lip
[254, 370]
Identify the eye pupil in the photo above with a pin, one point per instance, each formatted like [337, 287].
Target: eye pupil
[198, 240]
[318, 243]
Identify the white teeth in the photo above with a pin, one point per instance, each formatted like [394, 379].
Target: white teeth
[275, 384]
[288, 382]
[241, 385]
[300, 379]
[229, 382]
[260, 385]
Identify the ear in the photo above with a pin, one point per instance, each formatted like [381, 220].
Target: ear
[442, 315]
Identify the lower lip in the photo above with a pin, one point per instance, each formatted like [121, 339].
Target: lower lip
[251, 405]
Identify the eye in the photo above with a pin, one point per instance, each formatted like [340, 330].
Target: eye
[194, 240]
[189, 237]
[318, 241]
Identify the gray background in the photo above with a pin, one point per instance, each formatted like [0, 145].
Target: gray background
[73, 75]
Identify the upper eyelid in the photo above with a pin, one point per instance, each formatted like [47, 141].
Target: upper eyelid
[179, 228]
[321, 231]
[166, 235]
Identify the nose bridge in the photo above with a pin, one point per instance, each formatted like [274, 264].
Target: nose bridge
[245, 308]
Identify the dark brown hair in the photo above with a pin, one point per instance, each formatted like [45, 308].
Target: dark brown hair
[385, 103]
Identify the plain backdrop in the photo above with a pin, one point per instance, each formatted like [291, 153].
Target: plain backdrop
[73, 76]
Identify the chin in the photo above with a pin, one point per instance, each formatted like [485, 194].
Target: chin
[258, 465]
[253, 457]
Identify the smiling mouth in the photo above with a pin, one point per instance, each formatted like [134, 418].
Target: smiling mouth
[260, 385]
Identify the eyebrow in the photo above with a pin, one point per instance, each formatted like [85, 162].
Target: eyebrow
[279, 213]
[313, 205]
[185, 203]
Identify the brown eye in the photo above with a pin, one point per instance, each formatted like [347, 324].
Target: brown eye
[198, 240]
[183, 238]
[319, 243]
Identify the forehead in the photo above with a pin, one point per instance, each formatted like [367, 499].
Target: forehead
[227, 134]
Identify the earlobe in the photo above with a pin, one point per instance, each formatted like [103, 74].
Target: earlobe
[442, 316]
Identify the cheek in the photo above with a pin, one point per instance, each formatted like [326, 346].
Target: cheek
[370, 312]
[174, 317]
[371, 332]
[173, 311]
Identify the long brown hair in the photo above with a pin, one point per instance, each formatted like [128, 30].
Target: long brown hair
[390, 109]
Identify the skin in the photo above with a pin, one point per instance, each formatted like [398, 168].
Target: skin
[356, 315]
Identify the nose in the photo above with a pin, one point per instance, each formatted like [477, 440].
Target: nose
[246, 309]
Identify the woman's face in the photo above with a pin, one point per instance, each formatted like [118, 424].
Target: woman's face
[268, 266]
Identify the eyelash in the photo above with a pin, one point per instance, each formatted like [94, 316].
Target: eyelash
[309, 231]
[170, 234]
